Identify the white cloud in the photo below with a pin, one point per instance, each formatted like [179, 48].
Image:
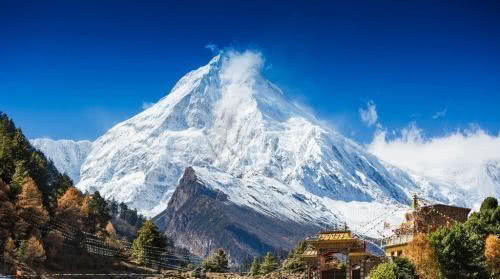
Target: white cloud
[146, 105]
[458, 157]
[369, 115]
[212, 47]
[440, 114]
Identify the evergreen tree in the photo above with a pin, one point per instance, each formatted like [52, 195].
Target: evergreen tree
[217, 262]
[98, 209]
[294, 262]
[269, 264]
[255, 268]
[20, 174]
[459, 253]
[488, 204]
[399, 268]
[147, 238]
[114, 208]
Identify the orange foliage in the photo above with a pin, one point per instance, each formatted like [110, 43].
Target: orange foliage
[84, 209]
[492, 254]
[34, 250]
[69, 207]
[422, 255]
[72, 198]
[28, 206]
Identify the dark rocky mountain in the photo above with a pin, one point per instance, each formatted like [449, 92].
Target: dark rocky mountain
[203, 219]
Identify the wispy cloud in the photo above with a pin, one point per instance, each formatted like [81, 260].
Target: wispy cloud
[440, 114]
[212, 47]
[146, 105]
[369, 115]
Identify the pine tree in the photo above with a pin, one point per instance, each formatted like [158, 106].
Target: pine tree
[255, 268]
[221, 261]
[114, 208]
[147, 237]
[269, 264]
[20, 174]
[217, 262]
[294, 262]
[98, 209]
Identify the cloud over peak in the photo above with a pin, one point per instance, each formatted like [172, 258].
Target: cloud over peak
[369, 115]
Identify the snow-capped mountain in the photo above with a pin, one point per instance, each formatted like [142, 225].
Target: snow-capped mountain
[247, 139]
[67, 155]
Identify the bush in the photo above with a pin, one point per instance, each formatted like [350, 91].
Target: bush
[489, 203]
[399, 268]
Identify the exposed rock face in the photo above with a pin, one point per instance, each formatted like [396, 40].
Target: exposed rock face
[204, 219]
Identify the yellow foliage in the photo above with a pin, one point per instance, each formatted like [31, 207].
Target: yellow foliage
[422, 255]
[34, 250]
[72, 198]
[492, 254]
[29, 200]
[29, 207]
[84, 209]
[9, 248]
[110, 229]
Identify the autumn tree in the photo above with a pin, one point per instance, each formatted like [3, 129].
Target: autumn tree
[69, 207]
[492, 254]
[35, 253]
[422, 255]
[29, 207]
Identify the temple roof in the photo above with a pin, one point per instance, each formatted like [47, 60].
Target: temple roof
[310, 252]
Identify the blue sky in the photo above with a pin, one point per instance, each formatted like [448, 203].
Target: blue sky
[72, 69]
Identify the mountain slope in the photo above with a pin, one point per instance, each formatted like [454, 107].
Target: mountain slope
[227, 116]
[67, 155]
[244, 137]
[203, 218]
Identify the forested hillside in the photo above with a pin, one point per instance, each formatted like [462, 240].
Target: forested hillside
[34, 198]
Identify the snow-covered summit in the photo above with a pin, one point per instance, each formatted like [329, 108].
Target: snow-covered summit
[227, 120]
[67, 155]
